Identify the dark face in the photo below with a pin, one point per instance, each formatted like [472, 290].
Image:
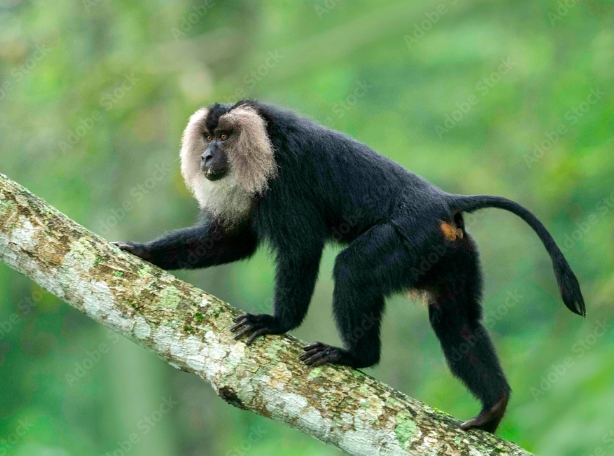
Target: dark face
[214, 161]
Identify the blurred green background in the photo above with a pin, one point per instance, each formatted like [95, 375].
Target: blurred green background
[512, 98]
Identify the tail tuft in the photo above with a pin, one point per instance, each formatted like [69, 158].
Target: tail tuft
[569, 287]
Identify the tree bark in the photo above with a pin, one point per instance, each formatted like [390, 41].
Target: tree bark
[190, 330]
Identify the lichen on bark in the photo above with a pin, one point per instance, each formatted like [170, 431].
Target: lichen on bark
[189, 329]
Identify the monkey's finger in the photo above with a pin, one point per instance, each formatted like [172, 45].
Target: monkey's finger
[244, 331]
[238, 325]
[313, 346]
[260, 332]
[123, 245]
[314, 358]
[241, 317]
[309, 354]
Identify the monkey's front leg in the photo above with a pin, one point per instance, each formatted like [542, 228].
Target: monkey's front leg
[195, 247]
[295, 281]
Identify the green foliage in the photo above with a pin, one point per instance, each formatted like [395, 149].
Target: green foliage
[507, 98]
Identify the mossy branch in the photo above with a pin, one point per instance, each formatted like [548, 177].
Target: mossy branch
[190, 330]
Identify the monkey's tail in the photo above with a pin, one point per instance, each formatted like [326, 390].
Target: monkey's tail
[567, 281]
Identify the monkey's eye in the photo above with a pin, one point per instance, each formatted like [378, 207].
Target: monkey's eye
[224, 137]
[208, 138]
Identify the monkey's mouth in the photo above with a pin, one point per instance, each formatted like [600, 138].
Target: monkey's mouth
[215, 174]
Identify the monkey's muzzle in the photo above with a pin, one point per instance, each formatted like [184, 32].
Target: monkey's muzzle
[214, 164]
[214, 174]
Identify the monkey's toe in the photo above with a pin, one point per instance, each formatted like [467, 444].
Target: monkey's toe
[134, 248]
[253, 326]
[488, 420]
[126, 246]
[484, 422]
[318, 354]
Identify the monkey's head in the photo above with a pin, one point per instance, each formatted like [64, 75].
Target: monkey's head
[227, 158]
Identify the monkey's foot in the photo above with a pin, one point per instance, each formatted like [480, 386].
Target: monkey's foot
[488, 420]
[318, 353]
[254, 326]
[134, 248]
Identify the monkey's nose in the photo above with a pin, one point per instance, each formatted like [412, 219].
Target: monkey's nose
[206, 158]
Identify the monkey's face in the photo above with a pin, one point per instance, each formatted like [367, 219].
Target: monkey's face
[230, 146]
[214, 161]
[226, 159]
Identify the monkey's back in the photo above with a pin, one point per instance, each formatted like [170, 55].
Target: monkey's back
[327, 177]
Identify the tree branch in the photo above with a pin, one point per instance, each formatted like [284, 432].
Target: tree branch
[190, 330]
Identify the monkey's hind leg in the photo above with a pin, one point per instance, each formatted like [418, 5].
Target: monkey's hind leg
[370, 268]
[455, 314]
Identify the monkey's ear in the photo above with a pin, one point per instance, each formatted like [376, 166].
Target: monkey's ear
[249, 149]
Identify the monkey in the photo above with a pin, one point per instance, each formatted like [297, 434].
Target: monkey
[263, 174]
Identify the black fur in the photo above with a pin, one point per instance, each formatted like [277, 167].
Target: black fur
[333, 188]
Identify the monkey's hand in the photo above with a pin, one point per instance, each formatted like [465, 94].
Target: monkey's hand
[134, 248]
[256, 325]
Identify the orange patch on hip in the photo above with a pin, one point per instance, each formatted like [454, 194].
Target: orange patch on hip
[451, 231]
[448, 231]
